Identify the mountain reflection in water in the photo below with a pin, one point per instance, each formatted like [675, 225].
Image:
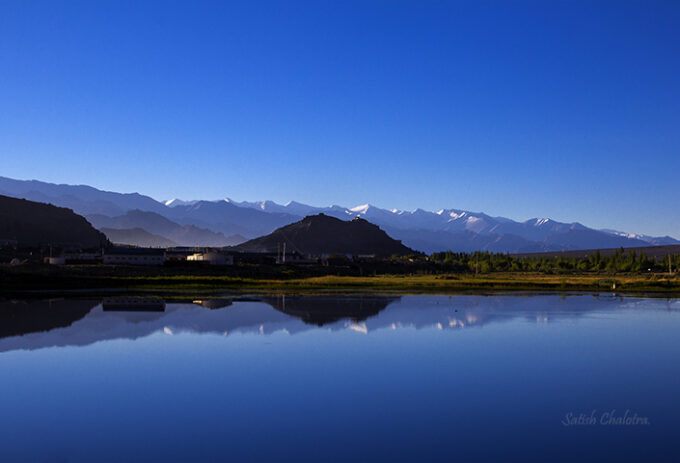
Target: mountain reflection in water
[339, 378]
[36, 324]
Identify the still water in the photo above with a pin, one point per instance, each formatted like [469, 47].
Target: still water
[342, 378]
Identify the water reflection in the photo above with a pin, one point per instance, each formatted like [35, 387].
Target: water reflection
[408, 378]
[323, 310]
[45, 323]
[22, 317]
[133, 304]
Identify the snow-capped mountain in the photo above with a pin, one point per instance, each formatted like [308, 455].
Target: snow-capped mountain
[466, 230]
[427, 231]
[178, 202]
[653, 240]
[291, 207]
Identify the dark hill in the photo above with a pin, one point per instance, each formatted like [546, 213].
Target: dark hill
[33, 224]
[321, 234]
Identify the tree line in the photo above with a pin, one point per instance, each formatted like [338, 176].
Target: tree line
[618, 262]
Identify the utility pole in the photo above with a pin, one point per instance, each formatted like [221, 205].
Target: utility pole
[284, 252]
[670, 266]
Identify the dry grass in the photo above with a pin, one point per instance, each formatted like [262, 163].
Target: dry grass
[500, 281]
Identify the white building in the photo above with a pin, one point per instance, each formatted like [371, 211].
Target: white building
[134, 256]
[212, 258]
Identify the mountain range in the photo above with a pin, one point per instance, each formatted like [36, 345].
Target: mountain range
[227, 222]
[141, 228]
[36, 323]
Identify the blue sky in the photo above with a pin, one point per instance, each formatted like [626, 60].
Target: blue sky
[524, 109]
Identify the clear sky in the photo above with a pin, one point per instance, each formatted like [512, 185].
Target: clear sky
[541, 109]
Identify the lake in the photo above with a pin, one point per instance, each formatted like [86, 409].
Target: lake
[530, 377]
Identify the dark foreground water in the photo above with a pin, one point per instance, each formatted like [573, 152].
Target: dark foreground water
[319, 378]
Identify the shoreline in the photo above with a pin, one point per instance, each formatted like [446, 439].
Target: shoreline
[31, 283]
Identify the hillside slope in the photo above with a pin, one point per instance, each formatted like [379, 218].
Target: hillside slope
[321, 234]
[33, 224]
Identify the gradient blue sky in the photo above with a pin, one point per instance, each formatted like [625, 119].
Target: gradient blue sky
[552, 109]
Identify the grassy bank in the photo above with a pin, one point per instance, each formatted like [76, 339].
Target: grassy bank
[425, 283]
[624, 283]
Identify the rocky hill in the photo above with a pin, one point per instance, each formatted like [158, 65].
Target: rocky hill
[321, 234]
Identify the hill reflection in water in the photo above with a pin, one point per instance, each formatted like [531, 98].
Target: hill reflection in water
[75, 322]
[338, 378]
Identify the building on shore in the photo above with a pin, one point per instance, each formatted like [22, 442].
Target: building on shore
[211, 258]
[134, 256]
[75, 258]
[60, 260]
[180, 254]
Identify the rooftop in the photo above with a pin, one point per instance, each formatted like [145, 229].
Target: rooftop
[134, 252]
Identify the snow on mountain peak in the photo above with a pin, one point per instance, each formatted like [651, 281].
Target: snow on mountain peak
[361, 209]
[628, 235]
[178, 202]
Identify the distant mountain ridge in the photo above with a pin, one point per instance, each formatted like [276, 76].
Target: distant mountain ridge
[160, 231]
[454, 229]
[82, 199]
[136, 237]
[228, 218]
